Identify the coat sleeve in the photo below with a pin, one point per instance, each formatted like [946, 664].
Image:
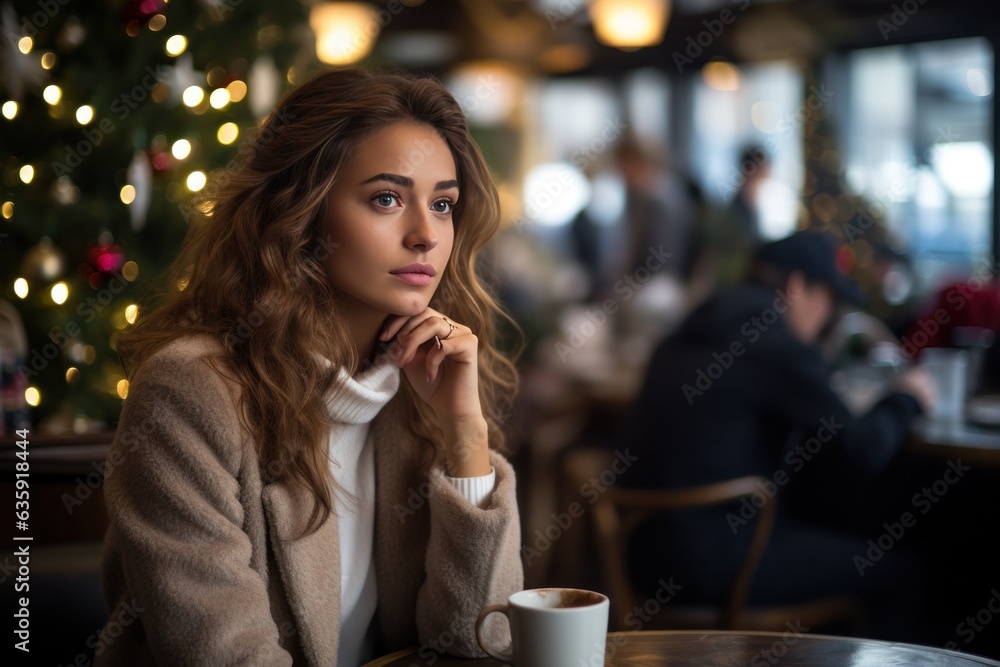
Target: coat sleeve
[473, 560]
[174, 507]
[804, 395]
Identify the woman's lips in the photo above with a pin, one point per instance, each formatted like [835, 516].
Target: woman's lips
[414, 278]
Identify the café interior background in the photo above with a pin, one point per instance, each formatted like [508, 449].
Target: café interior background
[877, 117]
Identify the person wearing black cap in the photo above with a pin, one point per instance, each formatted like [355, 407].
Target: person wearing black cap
[741, 389]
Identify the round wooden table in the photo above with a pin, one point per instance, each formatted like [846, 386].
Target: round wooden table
[718, 648]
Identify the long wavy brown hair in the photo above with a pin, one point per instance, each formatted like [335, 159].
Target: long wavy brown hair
[250, 272]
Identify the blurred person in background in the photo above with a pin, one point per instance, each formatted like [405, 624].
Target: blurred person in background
[741, 389]
[658, 214]
[726, 236]
[755, 167]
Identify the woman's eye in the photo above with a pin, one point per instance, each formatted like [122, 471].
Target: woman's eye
[384, 199]
[442, 206]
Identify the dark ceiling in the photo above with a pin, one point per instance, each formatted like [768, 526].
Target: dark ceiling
[518, 32]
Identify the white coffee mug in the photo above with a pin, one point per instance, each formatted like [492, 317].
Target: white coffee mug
[947, 368]
[552, 627]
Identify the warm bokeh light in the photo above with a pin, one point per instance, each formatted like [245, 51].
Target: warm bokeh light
[629, 24]
[25, 44]
[131, 313]
[237, 90]
[72, 374]
[196, 181]
[48, 60]
[176, 45]
[130, 270]
[32, 396]
[9, 109]
[193, 96]
[157, 22]
[345, 31]
[27, 172]
[219, 98]
[7, 210]
[721, 75]
[122, 388]
[227, 133]
[127, 194]
[85, 114]
[21, 288]
[52, 94]
[562, 58]
[60, 292]
[181, 149]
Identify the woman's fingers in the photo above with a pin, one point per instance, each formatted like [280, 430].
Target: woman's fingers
[409, 339]
[434, 359]
[392, 326]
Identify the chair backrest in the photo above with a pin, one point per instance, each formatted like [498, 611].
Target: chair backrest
[619, 511]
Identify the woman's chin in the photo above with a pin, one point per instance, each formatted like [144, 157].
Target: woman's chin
[409, 309]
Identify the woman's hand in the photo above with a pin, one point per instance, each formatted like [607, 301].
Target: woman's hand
[440, 359]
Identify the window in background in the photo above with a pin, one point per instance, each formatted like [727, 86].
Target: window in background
[918, 140]
[570, 127]
[756, 104]
[646, 95]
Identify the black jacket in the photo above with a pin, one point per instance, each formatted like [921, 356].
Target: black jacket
[733, 392]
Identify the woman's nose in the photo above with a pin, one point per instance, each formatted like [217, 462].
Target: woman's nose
[421, 234]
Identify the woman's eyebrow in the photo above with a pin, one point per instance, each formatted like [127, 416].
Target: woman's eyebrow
[407, 182]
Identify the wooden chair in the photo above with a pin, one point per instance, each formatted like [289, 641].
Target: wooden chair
[619, 511]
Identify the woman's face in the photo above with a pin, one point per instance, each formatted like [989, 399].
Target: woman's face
[389, 214]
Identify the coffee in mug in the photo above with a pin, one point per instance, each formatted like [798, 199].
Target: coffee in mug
[551, 627]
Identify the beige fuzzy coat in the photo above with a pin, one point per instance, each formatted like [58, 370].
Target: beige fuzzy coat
[198, 567]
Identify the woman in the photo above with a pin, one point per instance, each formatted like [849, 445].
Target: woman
[277, 492]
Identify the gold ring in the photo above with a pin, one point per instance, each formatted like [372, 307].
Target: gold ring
[451, 329]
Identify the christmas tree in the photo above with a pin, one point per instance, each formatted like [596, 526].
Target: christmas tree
[112, 119]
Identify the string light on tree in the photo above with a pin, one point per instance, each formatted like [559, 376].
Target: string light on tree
[227, 133]
[176, 45]
[52, 94]
[32, 396]
[196, 181]
[193, 96]
[237, 90]
[181, 149]
[84, 114]
[219, 98]
[59, 292]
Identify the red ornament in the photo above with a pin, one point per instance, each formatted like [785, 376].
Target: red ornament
[102, 262]
[141, 10]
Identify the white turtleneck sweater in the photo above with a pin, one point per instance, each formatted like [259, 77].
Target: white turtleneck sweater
[353, 403]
